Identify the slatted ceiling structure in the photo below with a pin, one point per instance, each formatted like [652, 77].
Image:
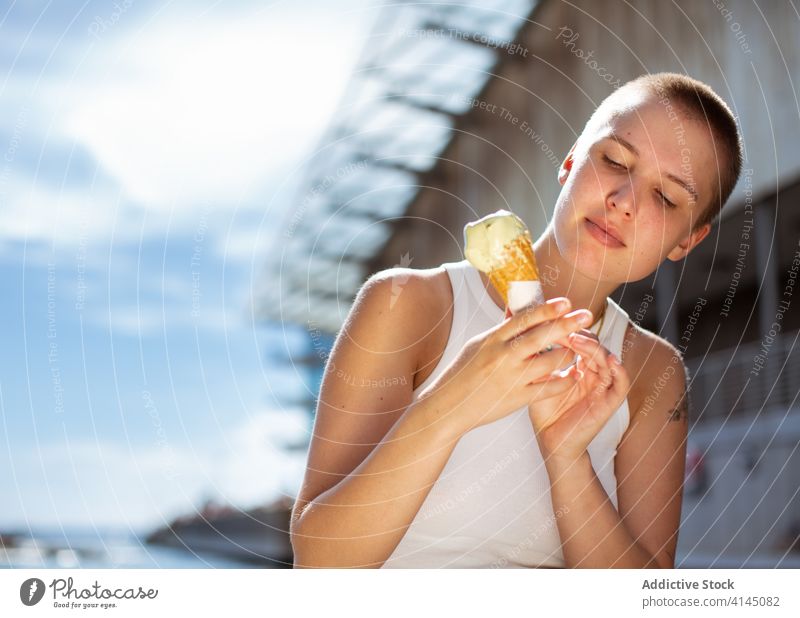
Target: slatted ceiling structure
[378, 192]
[410, 90]
[406, 137]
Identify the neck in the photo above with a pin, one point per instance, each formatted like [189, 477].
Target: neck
[560, 278]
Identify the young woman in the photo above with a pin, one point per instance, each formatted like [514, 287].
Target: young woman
[445, 438]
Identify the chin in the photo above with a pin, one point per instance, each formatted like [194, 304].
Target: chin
[598, 264]
[596, 271]
[583, 259]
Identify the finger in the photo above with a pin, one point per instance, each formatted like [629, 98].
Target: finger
[587, 333]
[589, 363]
[575, 369]
[558, 386]
[612, 398]
[586, 343]
[622, 381]
[592, 377]
[580, 364]
[541, 365]
[565, 342]
[589, 382]
[532, 315]
[606, 378]
[586, 361]
[590, 349]
[578, 393]
[605, 391]
[535, 339]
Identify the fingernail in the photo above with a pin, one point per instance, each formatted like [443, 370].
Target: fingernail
[585, 319]
[615, 360]
[562, 304]
[580, 315]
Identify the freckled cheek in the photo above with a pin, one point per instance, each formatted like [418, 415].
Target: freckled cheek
[649, 229]
[648, 251]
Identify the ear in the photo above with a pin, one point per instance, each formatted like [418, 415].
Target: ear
[566, 166]
[689, 243]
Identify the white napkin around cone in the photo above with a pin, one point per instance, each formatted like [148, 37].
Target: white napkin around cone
[524, 293]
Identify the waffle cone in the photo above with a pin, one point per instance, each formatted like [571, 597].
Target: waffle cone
[519, 264]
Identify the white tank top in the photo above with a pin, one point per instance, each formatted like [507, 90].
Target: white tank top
[490, 506]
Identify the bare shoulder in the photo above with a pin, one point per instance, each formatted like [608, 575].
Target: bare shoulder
[413, 298]
[415, 307]
[655, 367]
[409, 287]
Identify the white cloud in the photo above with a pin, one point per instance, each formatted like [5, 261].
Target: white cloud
[74, 219]
[142, 321]
[152, 319]
[208, 112]
[36, 213]
[273, 427]
[245, 244]
[255, 466]
[194, 105]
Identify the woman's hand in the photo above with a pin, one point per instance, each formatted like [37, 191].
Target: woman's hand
[499, 371]
[565, 425]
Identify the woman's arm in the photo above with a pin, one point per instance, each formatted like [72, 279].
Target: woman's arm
[361, 519]
[649, 468]
[374, 457]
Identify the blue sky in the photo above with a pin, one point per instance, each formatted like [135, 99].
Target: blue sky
[145, 157]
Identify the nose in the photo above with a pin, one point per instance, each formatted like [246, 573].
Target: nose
[623, 199]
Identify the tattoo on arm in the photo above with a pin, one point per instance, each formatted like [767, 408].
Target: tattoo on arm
[681, 410]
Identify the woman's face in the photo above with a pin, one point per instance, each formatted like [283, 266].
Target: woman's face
[644, 175]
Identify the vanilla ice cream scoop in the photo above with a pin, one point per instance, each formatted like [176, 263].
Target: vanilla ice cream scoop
[487, 238]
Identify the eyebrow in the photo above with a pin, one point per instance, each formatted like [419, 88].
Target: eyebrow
[676, 179]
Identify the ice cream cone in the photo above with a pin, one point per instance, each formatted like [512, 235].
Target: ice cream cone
[519, 265]
[500, 245]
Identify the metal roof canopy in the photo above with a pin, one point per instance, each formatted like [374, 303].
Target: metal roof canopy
[415, 79]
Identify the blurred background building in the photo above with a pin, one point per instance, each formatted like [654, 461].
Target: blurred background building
[457, 109]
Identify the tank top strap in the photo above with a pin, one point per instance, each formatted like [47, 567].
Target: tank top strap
[459, 324]
[476, 298]
[613, 333]
[459, 282]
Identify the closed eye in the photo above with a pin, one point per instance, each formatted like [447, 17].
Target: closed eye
[661, 197]
[613, 163]
[665, 201]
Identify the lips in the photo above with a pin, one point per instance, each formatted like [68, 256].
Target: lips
[608, 234]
